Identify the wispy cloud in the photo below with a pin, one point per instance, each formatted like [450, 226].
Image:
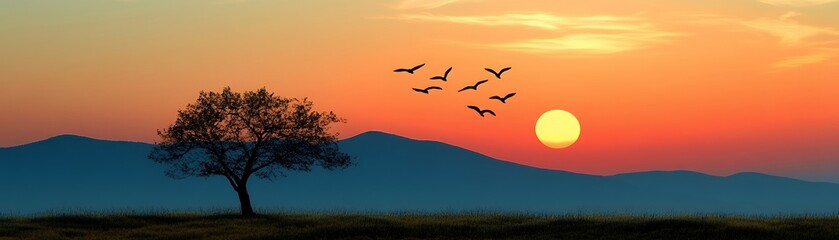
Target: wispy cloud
[796, 3]
[587, 43]
[539, 20]
[798, 61]
[602, 34]
[788, 30]
[790, 33]
[428, 4]
[211, 2]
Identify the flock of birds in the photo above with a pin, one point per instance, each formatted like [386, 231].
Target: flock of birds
[474, 87]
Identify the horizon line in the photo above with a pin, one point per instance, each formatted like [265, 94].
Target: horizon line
[463, 148]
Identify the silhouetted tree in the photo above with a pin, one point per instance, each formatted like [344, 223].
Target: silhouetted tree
[240, 135]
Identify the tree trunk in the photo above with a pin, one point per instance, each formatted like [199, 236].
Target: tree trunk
[245, 201]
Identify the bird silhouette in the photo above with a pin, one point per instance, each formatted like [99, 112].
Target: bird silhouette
[482, 112]
[426, 89]
[474, 87]
[503, 99]
[409, 70]
[498, 74]
[445, 76]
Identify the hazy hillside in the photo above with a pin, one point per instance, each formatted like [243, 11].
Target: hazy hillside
[393, 173]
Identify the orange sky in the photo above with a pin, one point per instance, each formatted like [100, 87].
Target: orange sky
[712, 86]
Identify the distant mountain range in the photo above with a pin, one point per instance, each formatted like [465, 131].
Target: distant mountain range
[393, 173]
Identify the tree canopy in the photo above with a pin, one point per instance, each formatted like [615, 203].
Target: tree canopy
[255, 133]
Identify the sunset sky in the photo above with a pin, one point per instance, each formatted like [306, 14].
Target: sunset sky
[716, 86]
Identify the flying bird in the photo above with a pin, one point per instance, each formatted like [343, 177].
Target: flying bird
[445, 76]
[503, 99]
[498, 74]
[426, 89]
[474, 87]
[482, 112]
[409, 70]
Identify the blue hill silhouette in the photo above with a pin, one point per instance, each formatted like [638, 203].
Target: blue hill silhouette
[393, 173]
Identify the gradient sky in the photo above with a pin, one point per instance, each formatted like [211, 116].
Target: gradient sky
[717, 86]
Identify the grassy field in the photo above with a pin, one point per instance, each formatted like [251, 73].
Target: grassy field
[414, 226]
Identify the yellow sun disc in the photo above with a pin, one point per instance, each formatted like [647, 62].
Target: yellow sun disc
[557, 129]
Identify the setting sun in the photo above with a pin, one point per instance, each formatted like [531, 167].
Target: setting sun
[557, 129]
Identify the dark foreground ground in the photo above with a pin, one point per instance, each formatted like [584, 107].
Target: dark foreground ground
[414, 226]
